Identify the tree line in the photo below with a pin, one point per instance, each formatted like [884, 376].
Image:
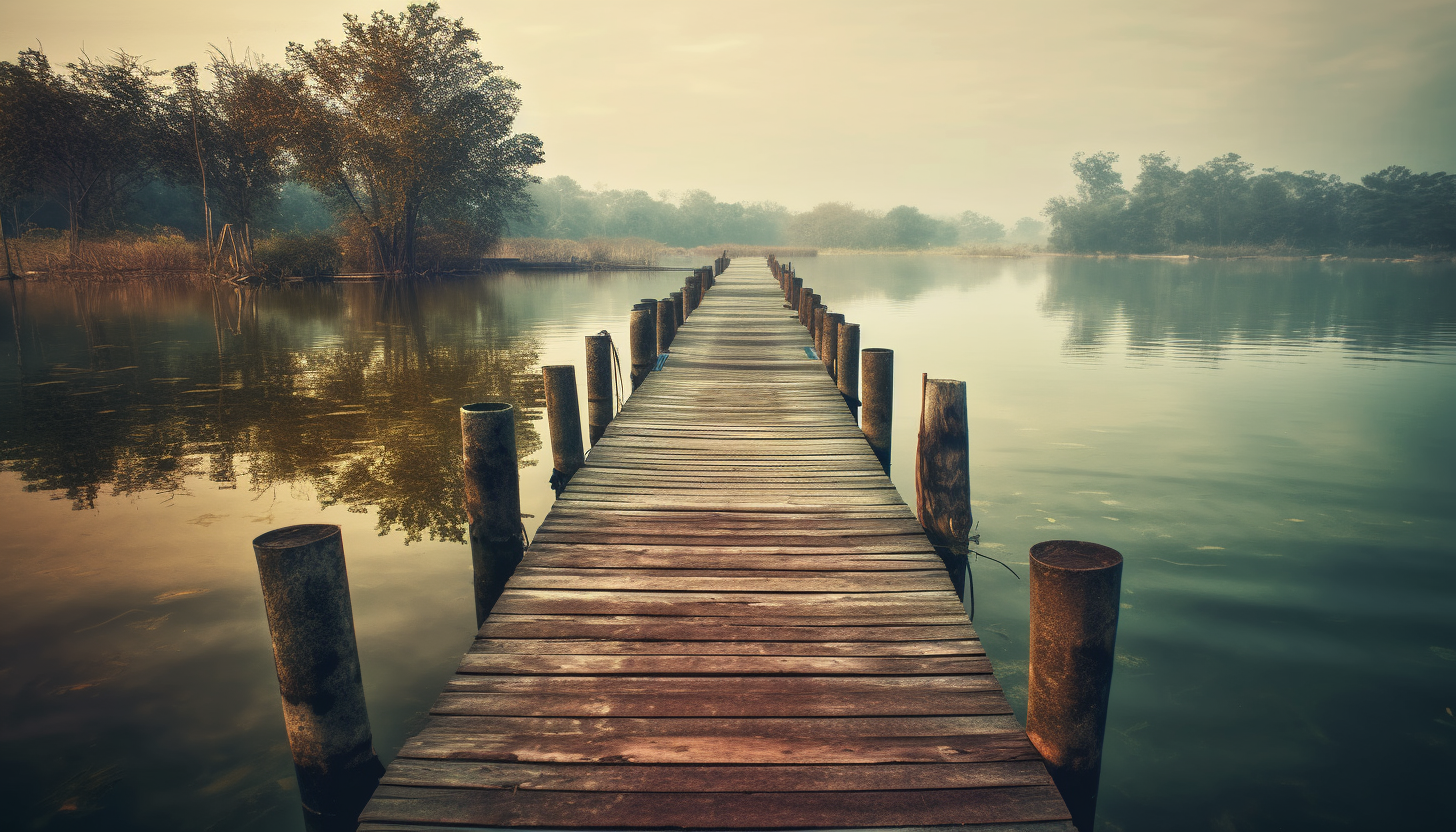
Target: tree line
[562, 208]
[1225, 203]
[401, 127]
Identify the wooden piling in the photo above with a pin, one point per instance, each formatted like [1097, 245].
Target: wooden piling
[666, 315]
[805, 305]
[492, 498]
[943, 474]
[877, 386]
[830, 338]
[643, 338]
[1074, 603]
[816, 327]
[677, 307]
[692, 295]
[311, 619]
[598, 385]
[796, 292]
[846, 365]
[563, 416]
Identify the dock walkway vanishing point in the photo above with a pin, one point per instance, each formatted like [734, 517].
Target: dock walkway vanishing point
[728, 620]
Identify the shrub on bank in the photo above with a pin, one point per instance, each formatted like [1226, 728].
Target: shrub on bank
[298, 255]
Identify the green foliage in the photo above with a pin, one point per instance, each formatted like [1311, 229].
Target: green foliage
[1223, 203]
[404, 125]
[973, 229]
[299, 255]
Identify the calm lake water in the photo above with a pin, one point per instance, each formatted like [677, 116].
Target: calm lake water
[1269, 444]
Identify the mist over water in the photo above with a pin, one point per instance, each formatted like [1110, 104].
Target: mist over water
[1267, 443]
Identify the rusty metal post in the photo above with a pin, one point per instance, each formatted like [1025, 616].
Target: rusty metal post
[311, 619]
[846, 366]
[492, 498]
[677, 308]
[563, 416]
[1074, 601]
[877, 385]
[943, 474]
[665, 316]
[643, 339]
[832, 322]
[598, 385]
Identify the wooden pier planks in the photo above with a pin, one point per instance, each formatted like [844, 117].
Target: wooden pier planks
[729, 620]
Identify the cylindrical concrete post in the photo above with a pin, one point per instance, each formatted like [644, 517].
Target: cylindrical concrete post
[563, 416]
[877, 386]
[943, 474]
[666, 314]
[677, 307]
[644, 345]
[846, 365]
[492, 498]
[311, 619]
[830, 339]
[598, 385]
[1074, 602]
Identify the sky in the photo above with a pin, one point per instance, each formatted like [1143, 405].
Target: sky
[947, 106]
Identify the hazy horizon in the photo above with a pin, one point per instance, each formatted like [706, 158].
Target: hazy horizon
[944, 106]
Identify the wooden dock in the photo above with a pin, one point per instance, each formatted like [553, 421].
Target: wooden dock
[729, 620]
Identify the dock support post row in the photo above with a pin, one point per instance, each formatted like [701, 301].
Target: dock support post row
[1074, 603]
[311, 620]
[563, 416]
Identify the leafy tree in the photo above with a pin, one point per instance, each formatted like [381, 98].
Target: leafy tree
[404, 124]
[86, 140]
[1217, 193]
[228, 141]
[1405, 208]
[1094, 220]
[1155, 210]
[979, 228]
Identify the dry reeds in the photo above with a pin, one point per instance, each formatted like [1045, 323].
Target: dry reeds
[119, 256]
[625, 251]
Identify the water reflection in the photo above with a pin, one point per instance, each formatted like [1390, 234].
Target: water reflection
[350, 388]
[1205, 310]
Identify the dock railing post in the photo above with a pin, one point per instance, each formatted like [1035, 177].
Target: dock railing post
[598, 385]
[563, 416]
[643, 337]
[1074, 602]
[311, 619]
[492, 498]
[666, 315]
[877, 386]
[692, 295]
[846, 366]
[943, 474]
[832, 322]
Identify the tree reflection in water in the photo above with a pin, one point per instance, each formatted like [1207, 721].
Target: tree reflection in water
[352, 389]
